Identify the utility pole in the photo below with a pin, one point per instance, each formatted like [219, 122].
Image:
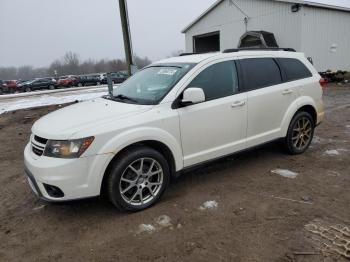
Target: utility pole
[126, 33]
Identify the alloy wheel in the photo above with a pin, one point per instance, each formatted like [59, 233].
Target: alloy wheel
[141, 181]
[302, 133]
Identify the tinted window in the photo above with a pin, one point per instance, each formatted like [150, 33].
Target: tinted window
[217, 81]
[260, 72]
[294, 69]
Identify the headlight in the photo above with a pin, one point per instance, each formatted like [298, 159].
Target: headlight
[67, 148]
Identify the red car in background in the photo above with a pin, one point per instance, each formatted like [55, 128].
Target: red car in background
[67, 81]
[8, 86]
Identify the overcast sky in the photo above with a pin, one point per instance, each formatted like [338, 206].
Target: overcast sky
[35, 32]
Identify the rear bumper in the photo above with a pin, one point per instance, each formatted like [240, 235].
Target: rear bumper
[320, 112]
[320, 118]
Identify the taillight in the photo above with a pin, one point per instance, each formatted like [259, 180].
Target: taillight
[322, 82]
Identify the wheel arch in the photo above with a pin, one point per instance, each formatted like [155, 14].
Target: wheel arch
[305, 104]
[154, 144]
[309, 109]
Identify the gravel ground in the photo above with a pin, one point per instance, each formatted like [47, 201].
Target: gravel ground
[235, 209]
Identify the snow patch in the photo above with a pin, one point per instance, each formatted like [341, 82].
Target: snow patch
[318, 140]
[321, 140]
[38, 208]
[146, 228]
[46, 100]
[334, 173]
[212, 204]
[332, 153]
[164, 221]
[285, 173]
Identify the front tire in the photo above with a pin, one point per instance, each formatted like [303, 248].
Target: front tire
[51, 87]
[137, 179]
[300, 133]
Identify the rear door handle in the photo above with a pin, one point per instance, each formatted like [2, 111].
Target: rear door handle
[238, 104]
[287, 92]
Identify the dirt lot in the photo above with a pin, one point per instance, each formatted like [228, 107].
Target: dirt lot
[260, 216]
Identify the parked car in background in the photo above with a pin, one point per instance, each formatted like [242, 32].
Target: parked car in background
[38, 83]
[89, 80]
[11, 86]
[21, 81]
[117, 78]
[171, 116]
[8, 86]
[67, 81]
[2, 87]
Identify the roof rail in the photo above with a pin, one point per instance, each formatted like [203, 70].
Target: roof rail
[234, 50]
[186, 54]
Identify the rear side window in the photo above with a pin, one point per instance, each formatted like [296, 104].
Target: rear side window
[294, 69]
[260, 72]
[217, 81]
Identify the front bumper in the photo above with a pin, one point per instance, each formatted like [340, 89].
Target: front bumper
[76, 178]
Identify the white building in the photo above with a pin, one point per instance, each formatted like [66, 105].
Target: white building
[320, 31]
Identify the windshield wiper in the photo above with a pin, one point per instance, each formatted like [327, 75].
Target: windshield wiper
[124, 97]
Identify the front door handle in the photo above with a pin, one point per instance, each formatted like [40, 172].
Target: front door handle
[238, 104]
[287, 92]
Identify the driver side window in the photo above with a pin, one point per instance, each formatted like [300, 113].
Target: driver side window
[217, 81]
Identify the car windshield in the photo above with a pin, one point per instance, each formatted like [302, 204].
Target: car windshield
[150, 85]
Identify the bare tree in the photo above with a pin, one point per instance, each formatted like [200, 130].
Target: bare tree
[70, 64]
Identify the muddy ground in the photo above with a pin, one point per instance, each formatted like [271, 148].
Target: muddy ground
[260, 216]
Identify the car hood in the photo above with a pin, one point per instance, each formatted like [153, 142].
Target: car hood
[64, 123]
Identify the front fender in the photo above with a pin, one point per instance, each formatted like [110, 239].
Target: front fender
[127, 138]
[293, 108]
[137, 135]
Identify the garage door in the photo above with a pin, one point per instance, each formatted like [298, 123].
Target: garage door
[206, 43]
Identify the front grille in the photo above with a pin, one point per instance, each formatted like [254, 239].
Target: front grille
[38, 152]
[38, 145]
[40, 140]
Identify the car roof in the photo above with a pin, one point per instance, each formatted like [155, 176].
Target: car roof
[197, 58]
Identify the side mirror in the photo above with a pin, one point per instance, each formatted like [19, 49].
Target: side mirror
[193, 95]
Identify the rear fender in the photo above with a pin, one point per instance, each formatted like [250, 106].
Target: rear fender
[293, 109]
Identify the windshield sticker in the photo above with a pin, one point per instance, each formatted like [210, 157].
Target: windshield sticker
[167, 71]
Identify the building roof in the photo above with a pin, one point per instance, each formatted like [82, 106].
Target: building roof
[307, 3]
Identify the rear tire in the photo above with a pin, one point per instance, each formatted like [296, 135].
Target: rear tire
[80, 85]
[98, 83]
[27, 89]
[51, 87]
[300, 133]
[137, 179]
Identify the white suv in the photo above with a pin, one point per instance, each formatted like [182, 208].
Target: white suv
[172, 115]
